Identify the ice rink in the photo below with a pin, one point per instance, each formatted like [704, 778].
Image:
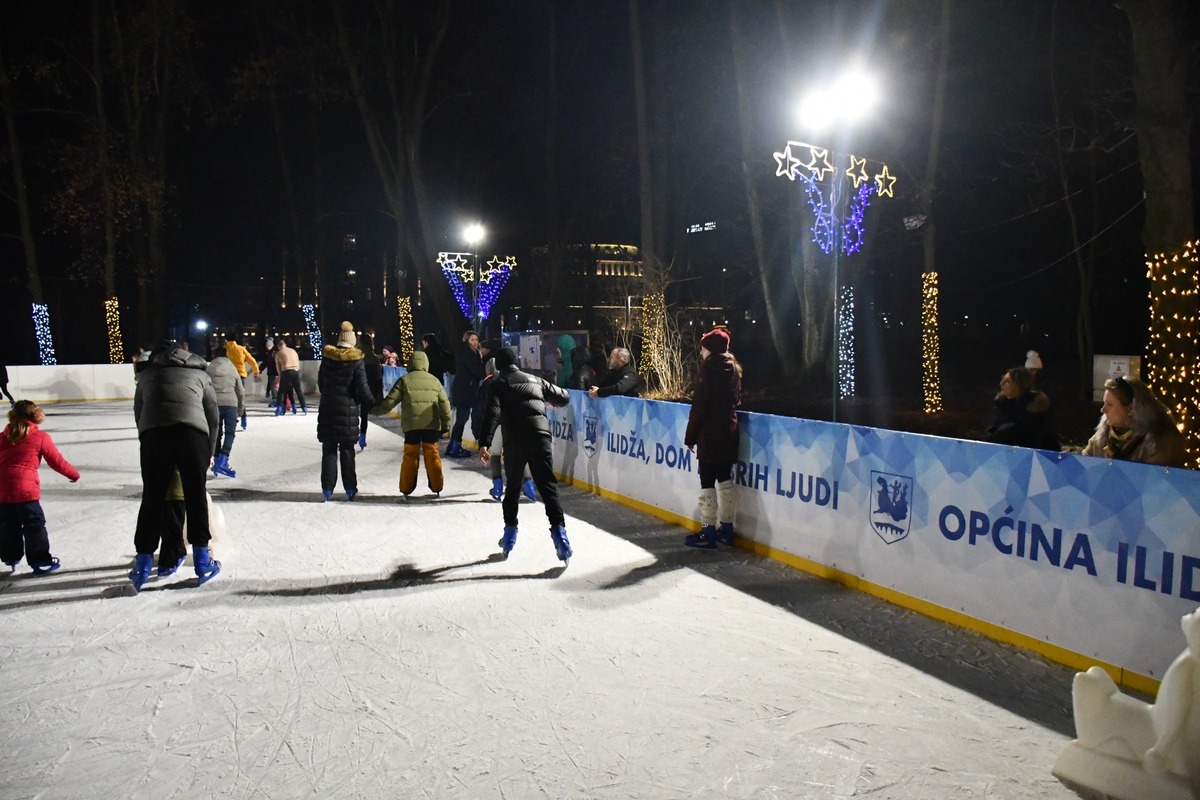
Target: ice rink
[379, 649]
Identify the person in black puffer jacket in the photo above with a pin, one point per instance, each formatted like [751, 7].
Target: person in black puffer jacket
[516, 403]
[342, 381]
[176, 412]
[366, 344]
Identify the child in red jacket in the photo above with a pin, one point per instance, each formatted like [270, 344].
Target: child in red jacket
[22, 523]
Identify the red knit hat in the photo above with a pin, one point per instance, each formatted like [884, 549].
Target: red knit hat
[715, 341]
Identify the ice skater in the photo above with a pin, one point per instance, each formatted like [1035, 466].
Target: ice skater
[176, 412]
[496, 460]
[424, 417]
[712, 428]
[22, 521]
[516, 403]
[342, 382]
[231, 405]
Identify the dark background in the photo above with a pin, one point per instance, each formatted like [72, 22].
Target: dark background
[1004, 246]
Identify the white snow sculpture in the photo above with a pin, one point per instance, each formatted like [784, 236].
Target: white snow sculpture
[1132, 750]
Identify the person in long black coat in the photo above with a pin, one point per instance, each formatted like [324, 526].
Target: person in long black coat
[712, 429]
[342, 381]
[366, 344]
[439, 360]
[464, 391]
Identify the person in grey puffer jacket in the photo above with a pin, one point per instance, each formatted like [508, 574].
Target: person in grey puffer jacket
[176, 412]
[231, 404]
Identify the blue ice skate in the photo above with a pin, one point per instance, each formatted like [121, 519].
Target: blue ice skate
[509, 539]
[527, 489]
[562, 547]
[141, 570]
[706, 539]
[206, 567]
[170, 567]
[497, 490]
[45, 567]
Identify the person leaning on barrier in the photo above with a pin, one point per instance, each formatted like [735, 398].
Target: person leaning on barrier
[621, 378]
[1022, 413]
[1136, 426]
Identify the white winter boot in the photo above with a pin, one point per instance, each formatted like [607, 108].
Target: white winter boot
[727, 505]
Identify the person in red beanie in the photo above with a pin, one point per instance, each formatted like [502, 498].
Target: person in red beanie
[712, 429]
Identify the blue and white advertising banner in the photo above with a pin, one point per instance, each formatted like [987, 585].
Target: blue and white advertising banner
[1097, 557]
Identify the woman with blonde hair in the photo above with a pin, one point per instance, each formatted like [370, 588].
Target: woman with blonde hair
[1135, 426]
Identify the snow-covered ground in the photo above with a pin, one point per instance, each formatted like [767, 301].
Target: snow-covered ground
[376, 649]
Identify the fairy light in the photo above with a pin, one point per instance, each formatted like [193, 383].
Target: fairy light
[845, 342]
[112, 320]
[315, 340]
[654, 315]
[404, 312]
[1172, 361]
[930, 345]
[45, 339]
[460, 275]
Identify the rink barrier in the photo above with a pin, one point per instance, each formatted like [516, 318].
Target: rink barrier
[1039, 549]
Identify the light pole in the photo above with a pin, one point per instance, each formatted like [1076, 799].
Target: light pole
[830, 184]
[473, 235]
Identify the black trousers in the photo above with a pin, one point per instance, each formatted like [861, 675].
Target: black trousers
[713, 471]
[23, 533]
[289, 386]
[331, 454]
[164, 450]
[535, 452]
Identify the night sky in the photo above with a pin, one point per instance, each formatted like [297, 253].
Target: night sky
[1004, 243]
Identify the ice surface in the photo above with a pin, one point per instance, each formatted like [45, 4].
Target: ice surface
[378, 649]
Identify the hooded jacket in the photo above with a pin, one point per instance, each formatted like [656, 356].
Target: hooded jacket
[174, 389]
[19, 482]
[712, 425]
[227, 384]
[342, 381]
[421, 397]
[566, 345]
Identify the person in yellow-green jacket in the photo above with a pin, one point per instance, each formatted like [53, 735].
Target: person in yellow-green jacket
[240, 357]
[424, 417]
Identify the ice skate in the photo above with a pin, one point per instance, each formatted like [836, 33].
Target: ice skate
[45, 567]
[221, 467]
[206, 567]
[170, 567]
[725, 534]
[509, 539]
[141, 570]
[497, 490]
[527, 489]
[326, 494]
[562, 546]
[706, 539]
[362, 442]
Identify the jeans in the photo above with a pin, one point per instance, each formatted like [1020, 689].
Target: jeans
[227, 420]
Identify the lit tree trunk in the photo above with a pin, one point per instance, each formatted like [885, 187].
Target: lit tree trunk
[1161, 63]
[116, 353]
[930, 337]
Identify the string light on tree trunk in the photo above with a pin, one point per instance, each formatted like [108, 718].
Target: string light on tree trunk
[404, 312]
[112, 320]
[41, 329]
[314, 330]
[845, 342]
[931, 380]
[1172, 359]
[654, 317]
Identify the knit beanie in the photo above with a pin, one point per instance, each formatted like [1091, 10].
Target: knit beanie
[715, 341]
[347, 337]
[506, 357]
[1033, 360]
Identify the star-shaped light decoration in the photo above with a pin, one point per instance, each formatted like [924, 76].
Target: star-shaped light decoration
[857, 171]
[787, 163]
[496, 267]
[885, 180]
[818, 170]
[458, 264]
